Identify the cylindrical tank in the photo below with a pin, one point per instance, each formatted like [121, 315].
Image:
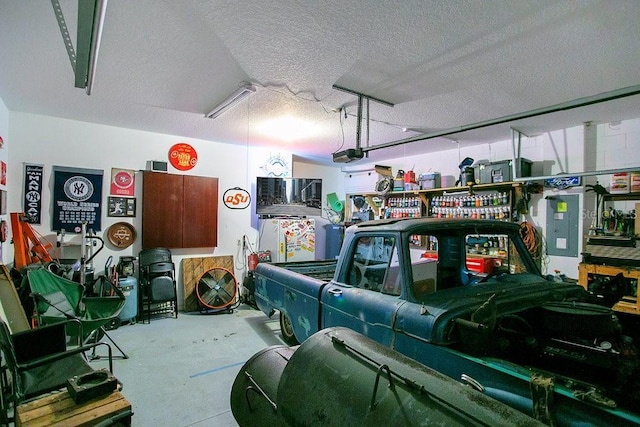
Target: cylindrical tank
[340, 377]
[255, 389]
[129, 287]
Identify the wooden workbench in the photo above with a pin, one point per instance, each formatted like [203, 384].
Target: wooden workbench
[59, 409]
[628, 304]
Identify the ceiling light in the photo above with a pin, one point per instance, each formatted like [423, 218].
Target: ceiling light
[234, 99]
[287, 129]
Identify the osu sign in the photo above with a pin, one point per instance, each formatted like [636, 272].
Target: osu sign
[236, 198]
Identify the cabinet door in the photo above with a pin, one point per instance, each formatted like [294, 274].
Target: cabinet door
[162, 210]
[200, 226]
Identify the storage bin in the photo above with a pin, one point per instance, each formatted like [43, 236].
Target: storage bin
[635, 182]
[500, 171]
[619, 183]
[429, 180]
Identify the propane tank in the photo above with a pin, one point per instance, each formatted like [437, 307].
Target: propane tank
[340, 377]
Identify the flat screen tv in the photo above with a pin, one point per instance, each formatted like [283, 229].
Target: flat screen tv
[297, 197]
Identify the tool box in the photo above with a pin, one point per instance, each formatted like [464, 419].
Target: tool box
[500, 171]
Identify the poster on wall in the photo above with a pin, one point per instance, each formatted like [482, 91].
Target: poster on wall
[121, 206]
[76, 199]
[123, 182]
[32, 203]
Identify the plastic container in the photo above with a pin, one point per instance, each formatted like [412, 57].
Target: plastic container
[129, 287]
[619, 183]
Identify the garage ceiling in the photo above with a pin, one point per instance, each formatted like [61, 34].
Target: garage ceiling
[163, 64]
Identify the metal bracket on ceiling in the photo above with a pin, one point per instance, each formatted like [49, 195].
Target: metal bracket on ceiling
[91, 15]
[517, 149]
[65, 33]
[362, 96]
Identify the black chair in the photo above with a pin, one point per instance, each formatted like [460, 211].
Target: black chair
[156, 275]
[37, 361]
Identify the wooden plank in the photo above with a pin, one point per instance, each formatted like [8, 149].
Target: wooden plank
[192, 270]
[11, 309]
[59, 409]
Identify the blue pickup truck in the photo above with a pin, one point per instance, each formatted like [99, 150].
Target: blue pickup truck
[466, 298]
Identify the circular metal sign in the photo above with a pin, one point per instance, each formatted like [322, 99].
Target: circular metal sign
[182, 156]
[121, 235]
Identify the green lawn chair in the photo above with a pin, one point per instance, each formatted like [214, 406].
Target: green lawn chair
[57, 299]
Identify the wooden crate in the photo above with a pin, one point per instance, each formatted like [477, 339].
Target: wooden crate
[59, 409]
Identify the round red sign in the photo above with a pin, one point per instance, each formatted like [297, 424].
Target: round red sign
[123, 179]
[182, 156]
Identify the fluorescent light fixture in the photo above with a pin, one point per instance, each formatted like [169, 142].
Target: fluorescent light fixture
[348, 155]
[231, 101]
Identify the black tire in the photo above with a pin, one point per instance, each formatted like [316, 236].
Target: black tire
[286, 327]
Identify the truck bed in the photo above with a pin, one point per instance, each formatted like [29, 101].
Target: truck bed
[321, 270]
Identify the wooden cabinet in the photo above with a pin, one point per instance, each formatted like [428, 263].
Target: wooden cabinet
[179, 211]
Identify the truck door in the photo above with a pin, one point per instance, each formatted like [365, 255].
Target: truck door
[367, 303]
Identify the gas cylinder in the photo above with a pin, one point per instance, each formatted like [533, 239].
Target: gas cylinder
[252, 261]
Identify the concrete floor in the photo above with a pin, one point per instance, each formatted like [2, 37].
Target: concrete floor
[180, 371]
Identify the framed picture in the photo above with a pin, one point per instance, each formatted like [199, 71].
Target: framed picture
[3, 202]
[121, 206]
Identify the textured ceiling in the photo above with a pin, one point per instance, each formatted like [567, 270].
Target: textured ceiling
[164, 63]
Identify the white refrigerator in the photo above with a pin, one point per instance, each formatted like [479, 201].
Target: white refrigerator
[289, 239]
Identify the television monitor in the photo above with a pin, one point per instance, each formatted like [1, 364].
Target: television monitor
[297, 197]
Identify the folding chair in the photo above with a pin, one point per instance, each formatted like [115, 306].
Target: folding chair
[157, 283]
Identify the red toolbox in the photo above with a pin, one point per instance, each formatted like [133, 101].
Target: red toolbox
[476, 264]
[481, 264]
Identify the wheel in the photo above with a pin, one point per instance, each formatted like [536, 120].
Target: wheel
[286, 327]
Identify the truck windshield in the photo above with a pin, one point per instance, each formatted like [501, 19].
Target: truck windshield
[373, 260]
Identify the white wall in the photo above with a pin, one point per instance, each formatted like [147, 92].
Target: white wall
[53, 141]
[4, 133]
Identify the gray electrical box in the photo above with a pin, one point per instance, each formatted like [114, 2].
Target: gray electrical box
[562, 225]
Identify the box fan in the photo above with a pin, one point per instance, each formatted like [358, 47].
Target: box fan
[217, 291]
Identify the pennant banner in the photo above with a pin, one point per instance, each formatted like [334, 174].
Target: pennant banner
[32, 204]
[77, 198]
